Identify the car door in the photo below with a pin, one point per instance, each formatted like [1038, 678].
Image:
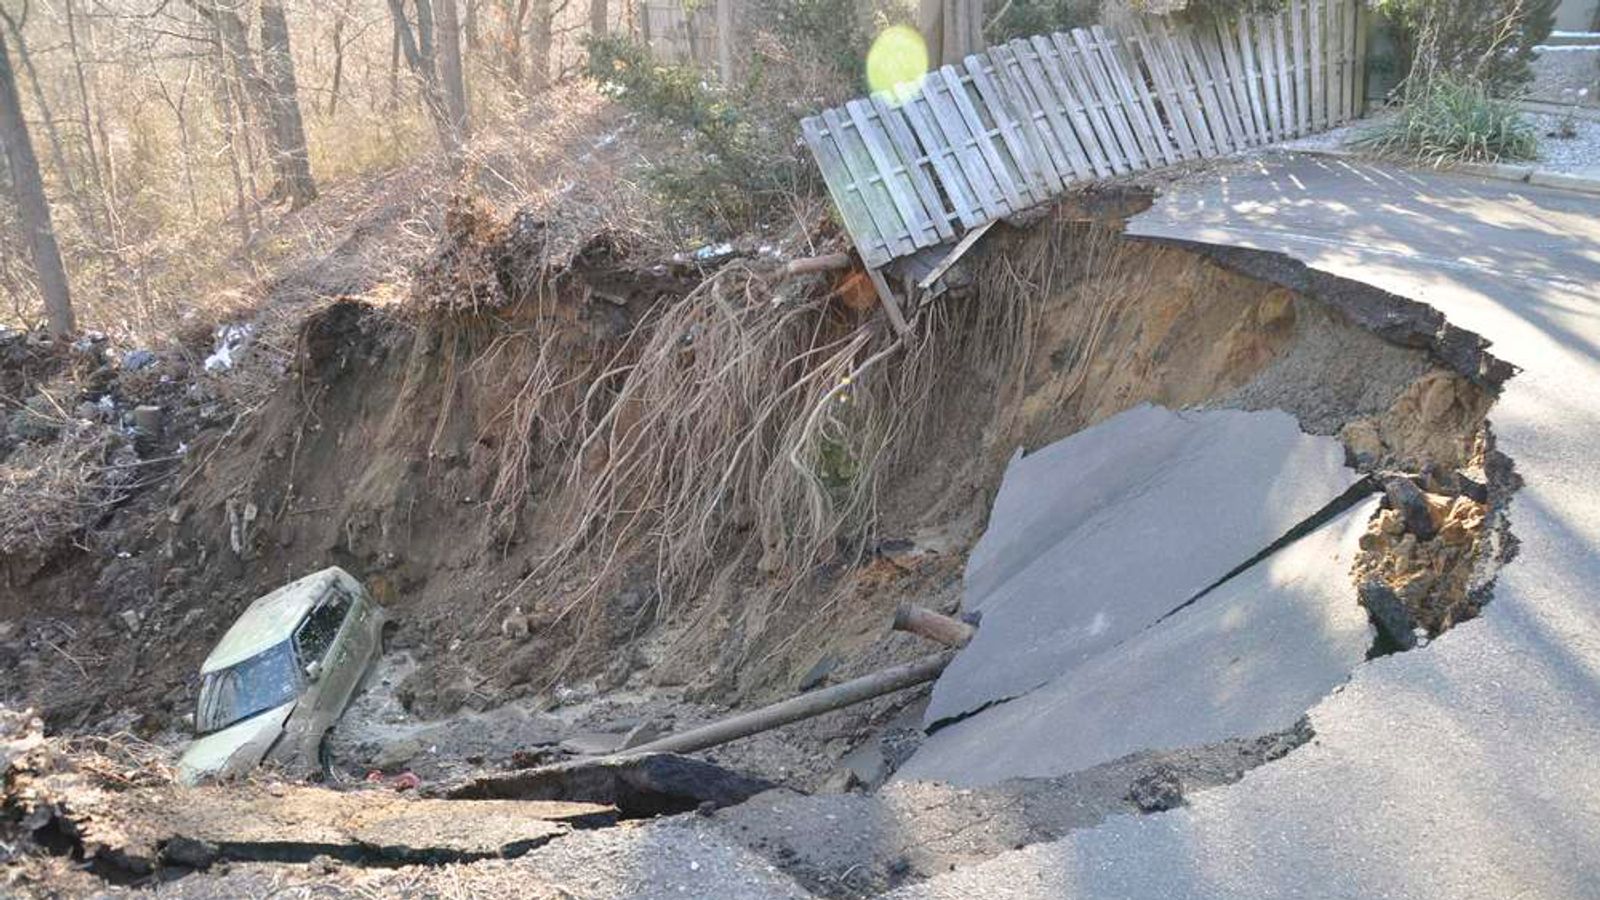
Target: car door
[317, 643]
[346, 659]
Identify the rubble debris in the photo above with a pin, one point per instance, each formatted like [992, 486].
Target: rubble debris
[912, 830]
[396, 753]
[643, 733]
[135, 832]
[637, 786]
[115, 807]
[190, 853]
[1419, 566]
[1158, 791]
[1412, 505]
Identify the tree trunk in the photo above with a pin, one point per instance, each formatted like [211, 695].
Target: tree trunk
[225, 113]
[291, 161]
[58, 156]
[952, 28]
[597, 18]
[417, 48]
[539, 34]
[85, 121]
[338, 66]
[33, 210]
[454, 83]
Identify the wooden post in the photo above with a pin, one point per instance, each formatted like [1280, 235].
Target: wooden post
[724, 13]
[933, 626]
[1363, 22]
[891, 307]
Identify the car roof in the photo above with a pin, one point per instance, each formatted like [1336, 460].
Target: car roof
[272, 618]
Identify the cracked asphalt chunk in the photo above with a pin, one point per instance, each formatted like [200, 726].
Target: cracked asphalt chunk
[1097, 536]
[1249, 658]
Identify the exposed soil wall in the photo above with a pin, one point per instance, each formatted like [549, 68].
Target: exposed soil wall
[393, 444]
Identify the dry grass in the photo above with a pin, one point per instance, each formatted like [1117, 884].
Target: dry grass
[573, 162]
[50, 492]
[745, 426]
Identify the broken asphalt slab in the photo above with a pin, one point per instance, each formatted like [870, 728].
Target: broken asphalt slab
[1094, 538]
[1247, 659]
[137, 830]
[1460, 769]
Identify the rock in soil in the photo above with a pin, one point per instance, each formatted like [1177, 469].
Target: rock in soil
[1158, 791]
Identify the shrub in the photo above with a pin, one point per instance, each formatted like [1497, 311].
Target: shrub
[1453, 120]
[829, 31]
[1021, 18]
[739, 156]
[1488, 41]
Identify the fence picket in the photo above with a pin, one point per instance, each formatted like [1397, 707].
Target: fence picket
[1209, 42]
[1171, 102]
[1255, 85]
[1126, 72]
[896, 177]
[1037, 177]
[1004, 174]
[1011, 127]
[1110, 100]
[1066, 149]
[874, 248]
[975, 164]
[1072, 67]
[912, 158]
[1352, 21]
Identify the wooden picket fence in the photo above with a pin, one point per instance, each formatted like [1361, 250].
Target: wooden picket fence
[1011, 127]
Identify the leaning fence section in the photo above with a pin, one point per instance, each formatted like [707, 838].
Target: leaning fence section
[1011, 127]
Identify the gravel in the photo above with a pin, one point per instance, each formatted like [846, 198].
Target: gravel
[1575, 155]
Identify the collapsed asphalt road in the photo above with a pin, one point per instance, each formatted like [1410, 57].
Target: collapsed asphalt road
[1121, 612]
[1458, 770]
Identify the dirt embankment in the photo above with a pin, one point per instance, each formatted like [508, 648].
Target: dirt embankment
[439, 448]
[490, 458]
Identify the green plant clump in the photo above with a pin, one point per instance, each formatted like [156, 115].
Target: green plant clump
[1489, 41]
[1024, 18]
[1229, 10]
[1452, 120]
[737, 163]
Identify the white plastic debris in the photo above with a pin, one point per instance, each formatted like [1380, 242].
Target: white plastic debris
[229, 339]
[713, 251]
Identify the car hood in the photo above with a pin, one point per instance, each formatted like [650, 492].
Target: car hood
[234, 749]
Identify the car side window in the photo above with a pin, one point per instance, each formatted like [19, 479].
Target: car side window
[317, 632]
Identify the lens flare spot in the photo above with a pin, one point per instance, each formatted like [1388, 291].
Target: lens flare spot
[897, 61]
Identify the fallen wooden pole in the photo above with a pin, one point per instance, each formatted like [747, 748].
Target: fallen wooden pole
[933, 626]
[828, 262]
[803, 707]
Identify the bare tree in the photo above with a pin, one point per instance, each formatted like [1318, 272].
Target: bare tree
[33, 210]
[540, 27]
[417, 48]
[291, 161]
[450, 73]
[58, 157]
[270, 92]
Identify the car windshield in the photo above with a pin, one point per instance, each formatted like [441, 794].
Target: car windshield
[268, 679]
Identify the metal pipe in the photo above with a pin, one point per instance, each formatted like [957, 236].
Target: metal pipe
[803, 707]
